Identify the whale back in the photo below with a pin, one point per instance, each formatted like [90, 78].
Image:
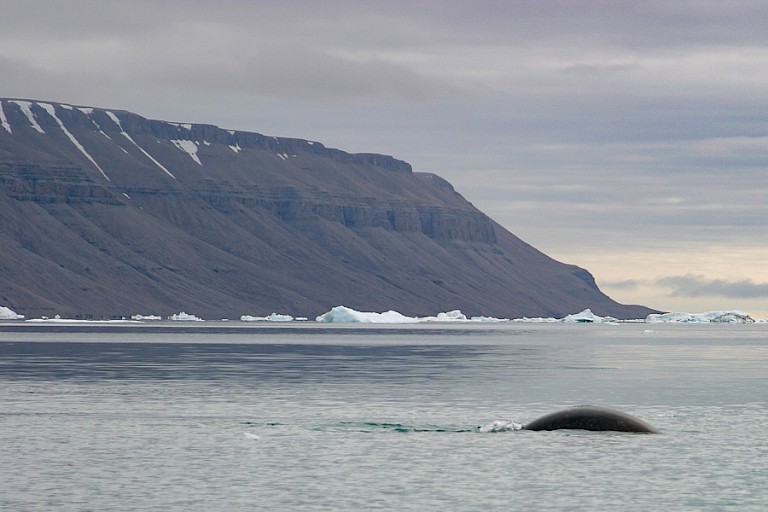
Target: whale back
[589, 417]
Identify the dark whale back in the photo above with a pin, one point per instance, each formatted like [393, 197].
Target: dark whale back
[589, 417]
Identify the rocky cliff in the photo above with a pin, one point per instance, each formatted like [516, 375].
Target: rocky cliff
[104, 213]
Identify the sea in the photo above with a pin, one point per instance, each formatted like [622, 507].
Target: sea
[223, 416]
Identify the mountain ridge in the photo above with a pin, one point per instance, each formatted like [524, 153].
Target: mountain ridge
[107, 213]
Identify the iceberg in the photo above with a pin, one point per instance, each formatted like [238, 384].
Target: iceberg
[448, 316]
[9, 314]
[343, 314]
[274, 317]
[146, 317]
[58, 320]
[536, 320]
[587, 316]
[723, 317]
[184, 317]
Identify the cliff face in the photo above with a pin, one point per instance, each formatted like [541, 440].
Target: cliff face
[106, 213]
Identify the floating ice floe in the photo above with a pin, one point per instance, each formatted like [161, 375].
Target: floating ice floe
[343, 314]
[57, 319]
[535, 320]
[146, 317]
[9, 314]
[274, 317]
[185, 317]
[724, 317]
[587, 317]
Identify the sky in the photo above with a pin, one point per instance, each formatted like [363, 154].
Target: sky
[629, 138]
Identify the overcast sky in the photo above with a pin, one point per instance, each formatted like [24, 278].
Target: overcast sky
[630, 138]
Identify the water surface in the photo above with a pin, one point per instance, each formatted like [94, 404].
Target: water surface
[235, 416]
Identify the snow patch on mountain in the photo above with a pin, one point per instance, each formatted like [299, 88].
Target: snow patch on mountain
[116, 120]
[189, 148]
[4, 120]
[52, 112]
[26, 108]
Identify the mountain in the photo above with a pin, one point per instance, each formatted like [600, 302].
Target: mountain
[104, 213]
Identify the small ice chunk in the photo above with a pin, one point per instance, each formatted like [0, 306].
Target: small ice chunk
[184, 317]
[9, 314]
[274, 317]
[146, 317]
[448, 316]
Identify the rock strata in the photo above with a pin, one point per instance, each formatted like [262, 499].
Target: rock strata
[106, 214]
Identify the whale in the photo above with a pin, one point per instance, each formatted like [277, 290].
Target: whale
[590, 417]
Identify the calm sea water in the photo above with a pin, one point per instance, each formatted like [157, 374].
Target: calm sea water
[287, 417]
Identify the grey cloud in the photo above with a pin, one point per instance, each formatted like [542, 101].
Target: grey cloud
[694, 286]
[305, 74]
[626, 284]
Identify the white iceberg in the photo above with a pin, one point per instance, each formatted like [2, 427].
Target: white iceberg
[58, 320]
[536, 320]
[488, 319]
[587, 316]
[274, 317]
[343, 314]
[184, 317]
[448, 316]
[726, 317]
[146, 317]
[9, 314]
